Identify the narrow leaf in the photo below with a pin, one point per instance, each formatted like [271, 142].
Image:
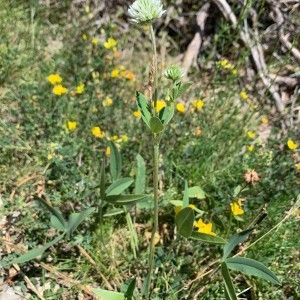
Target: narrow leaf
[144, 107]
[229, 288]
[196, 192]
[185, 200]
[182, 88]
[125, 199]
[140, 178]
[119, 186]
[156, 125]
[251, 267]
[53, 211]
[115, 161]
[32, 254]
[75, 219]
[102, 180]
[207, 238]
[185, 221]
[113, 212]
[130, 289]
[237, 191]
[56, 223]
[234, 241]
[109, 295]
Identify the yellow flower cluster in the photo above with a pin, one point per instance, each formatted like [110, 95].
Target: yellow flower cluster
[225, 64]
[110, 43]
[292, 145]
[121, 72]
[80, 88]
[107, 102]
[236, 207]
[58, 89]
[197, 104]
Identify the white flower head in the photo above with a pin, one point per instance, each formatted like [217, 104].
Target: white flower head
[145, 11]
[174, 73]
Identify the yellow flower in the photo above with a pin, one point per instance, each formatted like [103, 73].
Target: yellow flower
[204, 228]
[236, 207]
[107, 151]
[234, 72]
[95, 41]
[114, 137]
[84, 37]
[180, 107]
[128, 75]
[96, 131]
[110, 43]
[177, 209]
[115, 73]
[251, 134]
[297, 166]
[107, 102]
[54, 78]
[264, 120]
[80, 88]
[243, 95]
[224, 63]
[124, 138]
[250, 148]
[291, 144]
[71, 125]
[160, 104]
[59, 90]
[198, 104]
[137, 114]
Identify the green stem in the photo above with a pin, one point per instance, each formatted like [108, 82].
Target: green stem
[155, 214]
[152, 36]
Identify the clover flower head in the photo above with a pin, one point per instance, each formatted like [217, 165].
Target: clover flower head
[145, 11]
[174, 73]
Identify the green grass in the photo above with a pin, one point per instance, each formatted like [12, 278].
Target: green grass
[207, 148]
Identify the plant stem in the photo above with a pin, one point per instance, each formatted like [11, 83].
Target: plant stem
[155, 214]
[152, 36]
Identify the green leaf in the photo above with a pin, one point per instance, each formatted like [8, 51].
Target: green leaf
[115, 161]
[144, 107]
[140, 177]
[251, 267]
[130, 289]
[32, 254]
[53, 211]
[125, 199]
[119, 186]
[102, 180]
[176, 202]
[217, 221]
[156, 125]
[109, 295]
[207, 238]
[185, 221]
[185, 200]
[181, 88]
[75, 219]
[113, 212]
[234, 241]
[56, 223]
[196, 192]
[237, 191]
[229, 288]
[166, 114]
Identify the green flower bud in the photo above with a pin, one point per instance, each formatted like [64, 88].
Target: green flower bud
[174, 73]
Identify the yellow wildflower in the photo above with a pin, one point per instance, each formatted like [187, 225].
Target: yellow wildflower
[110, 43]
[251, 134]
[124, 138]
[107, 102]
[115, 73]
[291, 144]
[180, 107]
[71, 125]
[95, 41]
[224, 63]
[80, 88]
[250, 148]
[54, 78]
[114, 137]
[96, 131]
[264, 120]
[128, 75]
[243, 95]
[297, 166]
[236, 207]
[160, 104]
[84, 37]
[198, 104]
[204, 228]
[59, 90]
[137, 114]
[107, 151]
[177, 209]
[234, 72]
